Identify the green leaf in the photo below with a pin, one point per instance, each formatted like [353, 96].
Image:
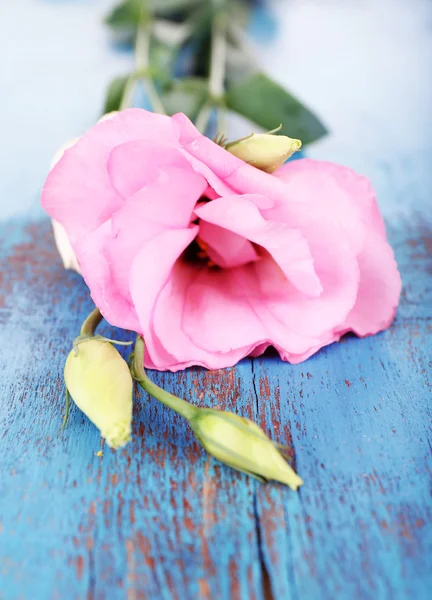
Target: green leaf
[115, 93]
[187, 95]
[125, 16]
[267, 104]
[164, 7]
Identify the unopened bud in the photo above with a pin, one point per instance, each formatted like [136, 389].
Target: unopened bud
[100, 383]
[242, 445]
[264, 151]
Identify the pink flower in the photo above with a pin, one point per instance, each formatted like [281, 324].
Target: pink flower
[213, 260]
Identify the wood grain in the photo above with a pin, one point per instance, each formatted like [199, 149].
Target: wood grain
[160, 519]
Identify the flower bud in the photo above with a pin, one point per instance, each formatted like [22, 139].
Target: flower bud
[100, 383]
[264, 151]
[242, 445]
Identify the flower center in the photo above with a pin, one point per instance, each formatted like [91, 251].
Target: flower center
[197, 253]
[202, 253]
[216, 245]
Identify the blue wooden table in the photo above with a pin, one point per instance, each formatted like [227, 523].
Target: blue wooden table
[160, 519]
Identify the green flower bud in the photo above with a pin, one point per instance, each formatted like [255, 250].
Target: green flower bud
[233, 440]
[242, 445]
[264, 151]
[100, 383]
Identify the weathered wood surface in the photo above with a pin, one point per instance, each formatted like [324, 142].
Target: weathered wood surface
[160, 519]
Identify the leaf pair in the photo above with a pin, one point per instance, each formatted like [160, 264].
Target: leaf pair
[257, 98]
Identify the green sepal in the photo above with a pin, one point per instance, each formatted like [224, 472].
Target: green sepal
[85, 338]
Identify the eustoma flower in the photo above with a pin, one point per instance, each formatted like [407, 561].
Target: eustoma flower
[212, 259]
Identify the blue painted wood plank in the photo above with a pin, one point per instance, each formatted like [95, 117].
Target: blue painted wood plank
[359, 414]
[159, 518]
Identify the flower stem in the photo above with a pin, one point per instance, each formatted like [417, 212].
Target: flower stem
[183, 408]
[218, 54]
[142, 67]
[203, 118]
[90, 324]
[128, 92]
[216, 83]
[88, 329]
[142, 52]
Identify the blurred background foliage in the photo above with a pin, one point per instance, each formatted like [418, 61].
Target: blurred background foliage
[193, 56]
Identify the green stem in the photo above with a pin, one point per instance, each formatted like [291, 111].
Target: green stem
[216, 83]
[218, 53]
[203, 118]
[128, 92]
[142, 67]
[90, 324]
[183, 408]
[142, 51]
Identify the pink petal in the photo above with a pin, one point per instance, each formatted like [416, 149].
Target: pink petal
[108, 253]
[174, 349]
[215, 182]
[338, 271]
[225, 172]
[225, 311]
[148, 276]
[260, 349]
[286, 245]
[168, 203]
[95, 267]
[217, 314]
[133, 165]
[188, 133]
[331, 192]
[80, 183]
[379, 290]
[214, 318]
[296, 358]
[225, 248]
